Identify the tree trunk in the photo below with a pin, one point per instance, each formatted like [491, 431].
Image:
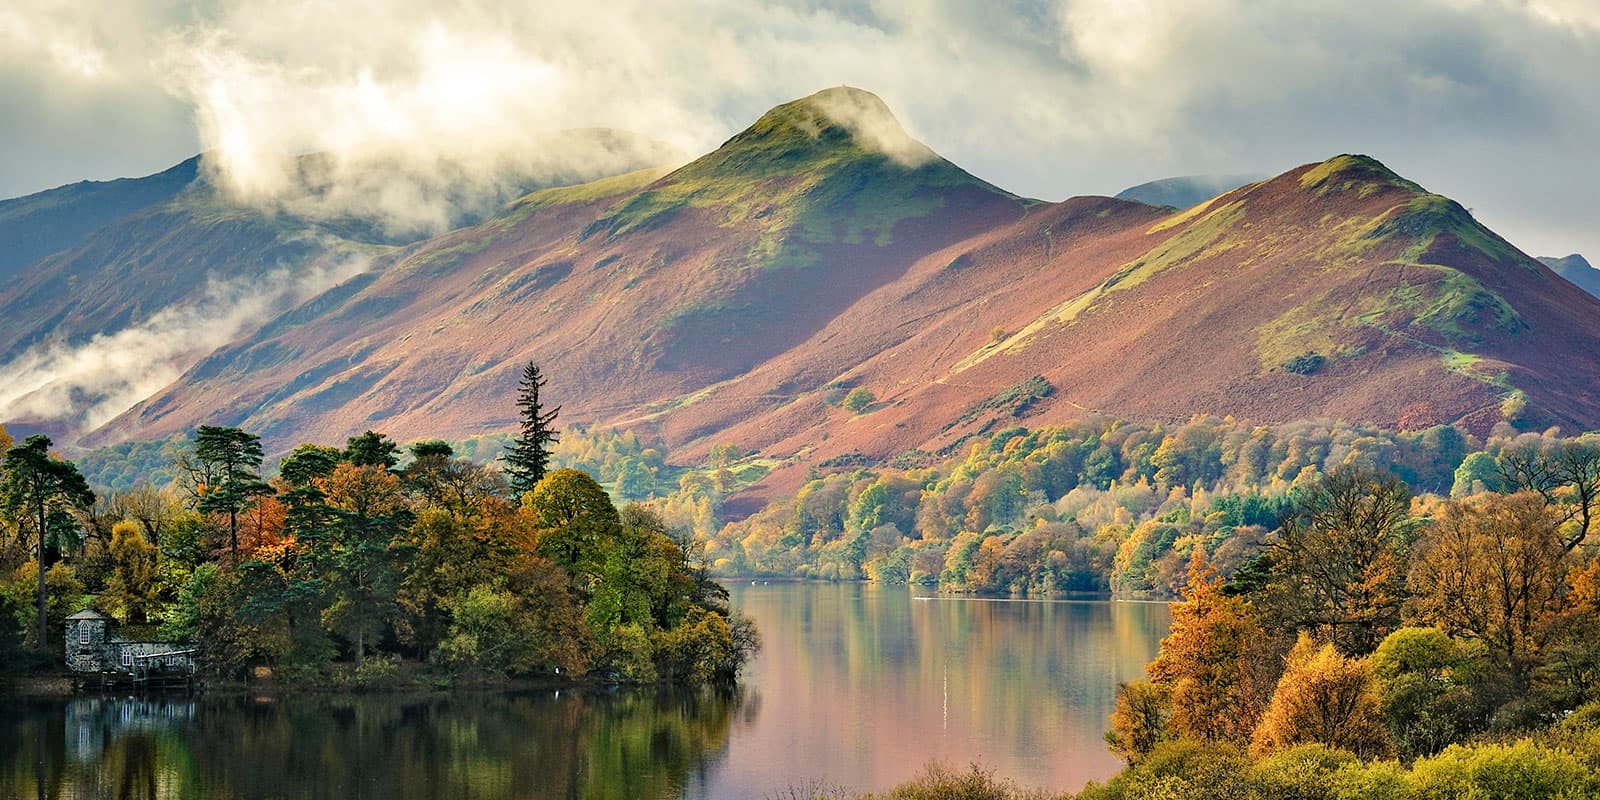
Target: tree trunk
[41, 641]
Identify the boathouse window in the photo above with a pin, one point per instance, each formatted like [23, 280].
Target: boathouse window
[127, 658]
[83, 633]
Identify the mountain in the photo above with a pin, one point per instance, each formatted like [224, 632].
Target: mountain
[739, 297]
[37, 225]
[113, 289]
[1186, 191]
[640, 289]
[1577, 269]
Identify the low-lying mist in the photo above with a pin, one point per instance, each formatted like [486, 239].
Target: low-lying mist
[86, 385]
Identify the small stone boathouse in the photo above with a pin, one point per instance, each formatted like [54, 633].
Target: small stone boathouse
[92, 648]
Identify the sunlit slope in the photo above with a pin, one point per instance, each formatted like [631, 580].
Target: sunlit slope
[1336, 290]
[639, 291]
[740, 297]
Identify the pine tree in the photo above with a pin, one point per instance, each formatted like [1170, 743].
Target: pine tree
[40, 489]
[528, 456]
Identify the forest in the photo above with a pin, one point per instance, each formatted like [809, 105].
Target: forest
[348, 567]
[1377, 646]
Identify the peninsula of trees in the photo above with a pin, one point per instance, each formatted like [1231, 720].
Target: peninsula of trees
[353, 563]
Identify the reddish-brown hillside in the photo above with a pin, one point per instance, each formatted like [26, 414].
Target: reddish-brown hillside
[739, 297]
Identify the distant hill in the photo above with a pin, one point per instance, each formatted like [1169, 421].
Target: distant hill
[1577, 269]
[1186, 191]
[37, 225]
[110, 287]
[740, 297]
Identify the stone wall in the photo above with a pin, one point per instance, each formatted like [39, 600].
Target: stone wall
[86, 645]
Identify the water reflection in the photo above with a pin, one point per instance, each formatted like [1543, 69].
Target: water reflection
[608, 746]
[857, 687]
[870, 683]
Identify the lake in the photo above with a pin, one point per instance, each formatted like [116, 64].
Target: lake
[857, 688]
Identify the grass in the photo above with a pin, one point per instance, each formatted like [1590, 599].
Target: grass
[801, 179]
[1342, 173]
[1214, 233]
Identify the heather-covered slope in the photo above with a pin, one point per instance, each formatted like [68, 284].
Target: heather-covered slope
[740, 297]
[39, 224]
[639, 290]
[112, 289]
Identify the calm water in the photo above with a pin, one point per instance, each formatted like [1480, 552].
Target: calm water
[857, 688]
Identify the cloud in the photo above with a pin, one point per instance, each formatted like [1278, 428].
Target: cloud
[1487, 100]
[93, 382]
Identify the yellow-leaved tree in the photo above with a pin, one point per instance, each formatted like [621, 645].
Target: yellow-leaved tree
[1324, 697]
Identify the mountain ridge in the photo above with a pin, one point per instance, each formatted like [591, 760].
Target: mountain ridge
[738, 297]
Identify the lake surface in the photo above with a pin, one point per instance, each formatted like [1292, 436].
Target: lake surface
[857, 688]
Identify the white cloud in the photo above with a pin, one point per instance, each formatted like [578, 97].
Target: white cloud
[99, 379]
[1045, 97]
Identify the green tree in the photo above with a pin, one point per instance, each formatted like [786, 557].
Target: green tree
[41, 490]
[229, 458]
[372, 450]
[1428, 684]
[361, 562]
[1338, 565]
[573, 521]
[1477, 470]
[529, 454]
[309, 462]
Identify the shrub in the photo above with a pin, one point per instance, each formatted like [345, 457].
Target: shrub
[859, 399]
[1305, 363]
[1518, 771]
[1300, 773]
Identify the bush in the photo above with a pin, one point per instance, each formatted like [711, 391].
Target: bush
[1518, 771]
[859, 399]
[938, 782]
[1300, 773]
[1305, 363]
[1370, 780]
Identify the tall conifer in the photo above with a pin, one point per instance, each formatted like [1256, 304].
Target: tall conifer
[528, 456]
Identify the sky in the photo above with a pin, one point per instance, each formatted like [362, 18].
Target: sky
[1492, 102]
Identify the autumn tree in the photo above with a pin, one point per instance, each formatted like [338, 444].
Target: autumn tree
[227, 480]
[1494, 568]
[529, 454]
[1338, 564]
[1566, 474]
[40, 491]
[1327, 698]
[1139, 720]
[135, 583]
[1217, 666]
[156, 511]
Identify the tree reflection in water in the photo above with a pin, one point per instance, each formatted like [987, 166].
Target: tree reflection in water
[609, 746]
